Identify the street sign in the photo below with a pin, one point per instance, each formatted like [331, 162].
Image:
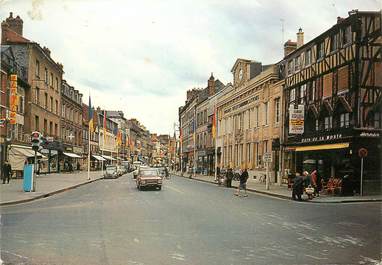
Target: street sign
[267, 157]
[362, 152]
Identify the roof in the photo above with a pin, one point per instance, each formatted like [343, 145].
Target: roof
[11, 36]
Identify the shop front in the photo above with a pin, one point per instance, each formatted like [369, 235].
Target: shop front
[337, 156]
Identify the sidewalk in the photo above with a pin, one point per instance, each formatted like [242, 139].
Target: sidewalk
[285, 193]
[46, 185]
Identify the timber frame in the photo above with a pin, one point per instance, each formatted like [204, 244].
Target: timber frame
[340, 71]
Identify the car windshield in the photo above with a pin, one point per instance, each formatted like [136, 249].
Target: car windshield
[149, 172]
[111, 169]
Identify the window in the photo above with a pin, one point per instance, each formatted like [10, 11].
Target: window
[292, 95]
[290, 67]
[37, 69]
[51, 104]
[265, 148]
[51, 80]
[21, 105]
[312, 90]
[346, 35]
[266, 113]
[45, 126]
[320, 50]
[50, 128]
[344, 120]
[46, 100]
[302, 93]
[55, 129]
[241, 120]
[297, 63]
[56, 108]
[378, 120]
[277, 110]
[57, 83]
[46, 76]
[36, 123]
[308, 57]
[257, 116]
[328, 123]
[37, 95]
[334, 42]
[317, 125]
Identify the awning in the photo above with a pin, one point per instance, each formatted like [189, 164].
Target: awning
[100, 158]
[18, 154]
[71, 155]
[322, 147]
[108, 157]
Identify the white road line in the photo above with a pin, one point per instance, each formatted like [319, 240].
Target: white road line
[175, 189]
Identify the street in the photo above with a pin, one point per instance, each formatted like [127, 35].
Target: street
[187, 222]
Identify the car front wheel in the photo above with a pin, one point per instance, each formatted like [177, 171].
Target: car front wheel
[159, 187]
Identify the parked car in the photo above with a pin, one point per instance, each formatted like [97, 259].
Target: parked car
[110, 172]
[121, 170]
[149, 177]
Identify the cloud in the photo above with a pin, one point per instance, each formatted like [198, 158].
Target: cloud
[142, 56]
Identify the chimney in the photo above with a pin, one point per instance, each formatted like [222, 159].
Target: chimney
[47, 51]
[211, 85]
[15, 24]
[300, 38]
[289, 47]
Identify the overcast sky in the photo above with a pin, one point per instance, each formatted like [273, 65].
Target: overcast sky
[142, 56]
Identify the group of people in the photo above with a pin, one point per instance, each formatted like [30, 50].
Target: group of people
[308, 182]
[229, 176]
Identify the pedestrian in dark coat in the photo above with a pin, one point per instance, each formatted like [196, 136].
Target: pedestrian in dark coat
[229, 177]
[7, 171]
[298, 187]
[243, 183]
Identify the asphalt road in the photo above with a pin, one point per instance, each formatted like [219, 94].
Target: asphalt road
[187, 222]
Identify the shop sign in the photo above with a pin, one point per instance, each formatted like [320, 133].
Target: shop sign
[369, 134]
[13, 99]
[296, 119]
[321, 138]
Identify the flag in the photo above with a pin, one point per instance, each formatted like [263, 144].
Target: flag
[214, 125]
[90, 113]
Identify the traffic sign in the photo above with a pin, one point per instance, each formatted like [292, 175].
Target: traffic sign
[267, 157]
[362, 152]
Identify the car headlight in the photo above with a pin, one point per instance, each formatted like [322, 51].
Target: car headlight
[143, 182]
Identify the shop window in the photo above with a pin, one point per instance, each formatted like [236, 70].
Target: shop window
[344, 120]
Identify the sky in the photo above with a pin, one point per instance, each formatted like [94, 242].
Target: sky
[142, 56]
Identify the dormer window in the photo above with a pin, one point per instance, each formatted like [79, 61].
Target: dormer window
[308, 57]
[320, 50]
[334, 42]
[297, 63]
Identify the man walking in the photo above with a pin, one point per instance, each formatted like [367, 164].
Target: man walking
[229, 177]
[7, 171]
[243, 183]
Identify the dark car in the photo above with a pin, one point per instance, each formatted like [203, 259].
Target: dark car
[149, 177]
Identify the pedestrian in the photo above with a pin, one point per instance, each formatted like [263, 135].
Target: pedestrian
[308, 185]
[78, 166]
[297, 187]
[229, 177]
[316, 182]
[243, 183]
[166, 174]
[7, 171]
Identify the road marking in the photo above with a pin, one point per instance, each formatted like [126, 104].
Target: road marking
[313, 257]
[175, 189]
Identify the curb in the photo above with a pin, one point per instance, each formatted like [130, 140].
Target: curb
[48, 194]
[288, 197]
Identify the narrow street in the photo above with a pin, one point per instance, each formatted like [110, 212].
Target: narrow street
[188, 222]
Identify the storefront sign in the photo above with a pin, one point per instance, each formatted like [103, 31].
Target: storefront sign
[296, 120]
[321, 138]
[267, 157]
[13, 99]
[242, 104]
[369, 134]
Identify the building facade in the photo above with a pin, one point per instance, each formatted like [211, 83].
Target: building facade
[44, 76]
[71, 124]
[333, 84]
[249, 118]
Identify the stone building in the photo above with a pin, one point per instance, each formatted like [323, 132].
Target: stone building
[95, 158]
[71, 124]
[249, 118]
[333, 89]
[12, 138]
[107, 135]
[44, 76]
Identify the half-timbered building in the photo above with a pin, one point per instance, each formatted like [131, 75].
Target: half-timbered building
[336, 80]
